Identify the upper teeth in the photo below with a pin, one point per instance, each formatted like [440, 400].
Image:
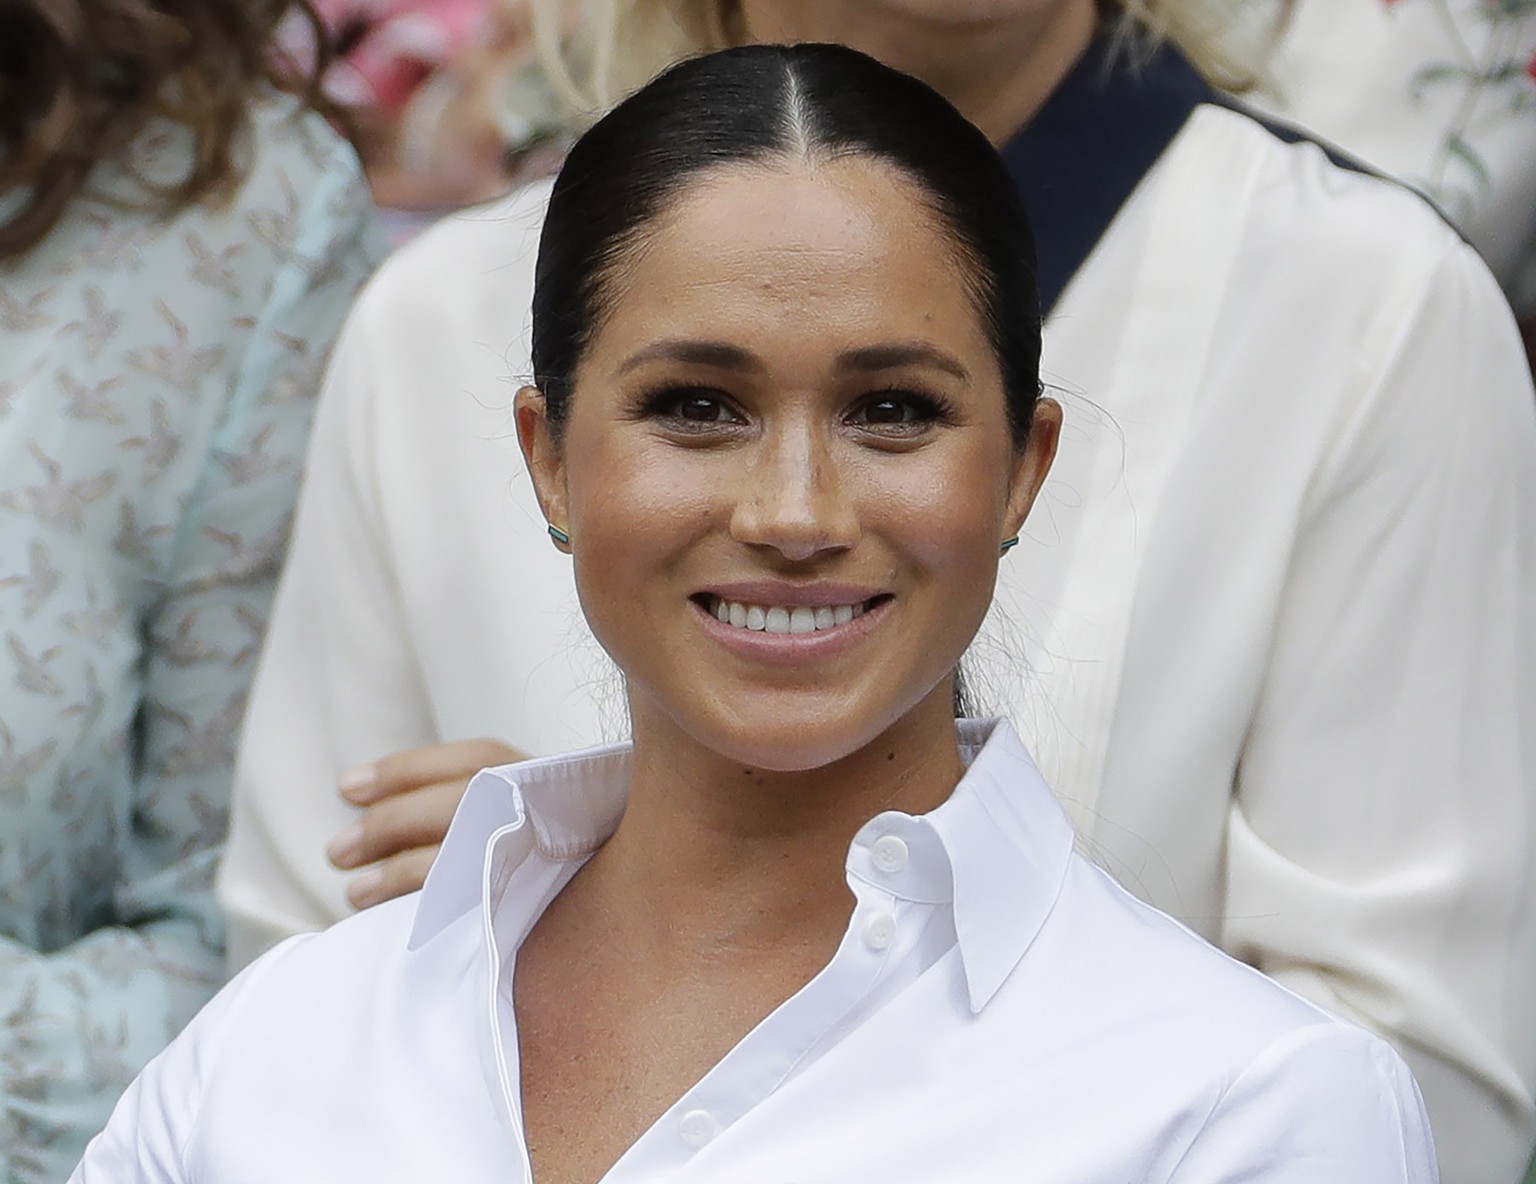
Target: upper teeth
[782, 619]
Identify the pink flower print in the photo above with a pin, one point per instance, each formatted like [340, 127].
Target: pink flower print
[391, 45]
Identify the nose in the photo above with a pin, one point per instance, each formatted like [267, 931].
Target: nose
[794, 496]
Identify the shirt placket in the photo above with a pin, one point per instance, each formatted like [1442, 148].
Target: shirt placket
[682, 1142]
[692, 1139]
[502, 935]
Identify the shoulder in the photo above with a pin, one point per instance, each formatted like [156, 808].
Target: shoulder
[252, 1049]
[493, 233]
[1154, 1025]
[452, 307]
[357, 950]
[1361, 268]
[339, 987]
[296, 143]
[471, 260]
[1140, 970]
[1263, 1067]
[1310, 202]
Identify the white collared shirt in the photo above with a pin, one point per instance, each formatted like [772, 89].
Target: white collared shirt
[1273, 626]
[998, 1009]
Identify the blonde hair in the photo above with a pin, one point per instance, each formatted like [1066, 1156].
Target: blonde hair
[619, 45]
[1225, 40]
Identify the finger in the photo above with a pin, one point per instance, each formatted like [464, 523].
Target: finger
[396, 876]
[416, 818]
[415, 767]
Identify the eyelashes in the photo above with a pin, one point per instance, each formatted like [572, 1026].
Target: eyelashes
[895, 411]
[898, 407]
[700, 408]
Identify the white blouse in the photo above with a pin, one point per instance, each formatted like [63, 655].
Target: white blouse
[998, 1009]
[1271, 633]
[1441, 93]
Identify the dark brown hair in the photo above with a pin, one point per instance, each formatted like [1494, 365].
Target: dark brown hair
[762, 103]
[81, 79]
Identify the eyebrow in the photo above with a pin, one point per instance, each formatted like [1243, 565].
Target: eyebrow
[867, 359]
[699, 353]
[891, 357]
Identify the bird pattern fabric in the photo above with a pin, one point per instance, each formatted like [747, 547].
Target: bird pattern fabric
[156, 381]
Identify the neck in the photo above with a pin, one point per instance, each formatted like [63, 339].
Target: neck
[754, 860]
[998, 71]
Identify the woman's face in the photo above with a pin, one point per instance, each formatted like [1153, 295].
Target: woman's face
[995, 60]
[870, 25]
[951, 12]
[787, 468]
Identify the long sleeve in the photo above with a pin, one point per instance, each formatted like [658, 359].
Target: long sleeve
[1379, 853]
[421, 601]
[203, 540]
[337, 683]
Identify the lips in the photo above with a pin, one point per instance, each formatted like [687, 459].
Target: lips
[777, 621]
[784, 618]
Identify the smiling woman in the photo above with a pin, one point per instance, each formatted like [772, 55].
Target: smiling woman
[854, 430]
[806, 927]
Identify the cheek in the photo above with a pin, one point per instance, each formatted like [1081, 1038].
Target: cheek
[946, 513]
[634, 511]
[944, 522]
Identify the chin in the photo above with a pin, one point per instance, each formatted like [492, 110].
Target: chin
[967, 12]
[796, 746]
[786, 736]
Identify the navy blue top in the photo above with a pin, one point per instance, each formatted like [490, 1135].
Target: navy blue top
[1101, 131]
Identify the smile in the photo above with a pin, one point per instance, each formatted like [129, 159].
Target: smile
[773, 618]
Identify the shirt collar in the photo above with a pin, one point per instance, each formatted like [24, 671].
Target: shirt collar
[998, 848]
[1086, 150]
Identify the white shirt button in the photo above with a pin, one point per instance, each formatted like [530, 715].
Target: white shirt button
[697, 1127]
[889, 854]
[880, 931]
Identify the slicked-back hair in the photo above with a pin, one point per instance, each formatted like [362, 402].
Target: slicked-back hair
[756, 105]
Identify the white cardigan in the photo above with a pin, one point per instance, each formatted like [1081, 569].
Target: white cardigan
[1271, 634]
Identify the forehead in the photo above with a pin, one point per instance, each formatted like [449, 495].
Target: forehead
[822, 250]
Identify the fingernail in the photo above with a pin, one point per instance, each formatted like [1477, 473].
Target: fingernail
[356, 784]
[341, 849]
[365, 888]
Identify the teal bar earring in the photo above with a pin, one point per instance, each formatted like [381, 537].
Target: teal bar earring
[561, 538]
[1008, 544]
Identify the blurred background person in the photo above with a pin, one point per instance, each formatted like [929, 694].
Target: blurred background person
[1271, 635]
[456, 107]
[450, 101]
[179, 241]
[809, 371]
[1440, 93]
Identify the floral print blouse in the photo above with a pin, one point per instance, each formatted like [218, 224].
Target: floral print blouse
[156, 382]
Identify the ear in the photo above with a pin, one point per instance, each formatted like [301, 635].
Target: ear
[1033, 463]
[543, 456]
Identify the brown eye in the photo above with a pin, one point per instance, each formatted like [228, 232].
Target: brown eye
[702, 409]
[692, 410]
[887, 411]
[904, 413]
